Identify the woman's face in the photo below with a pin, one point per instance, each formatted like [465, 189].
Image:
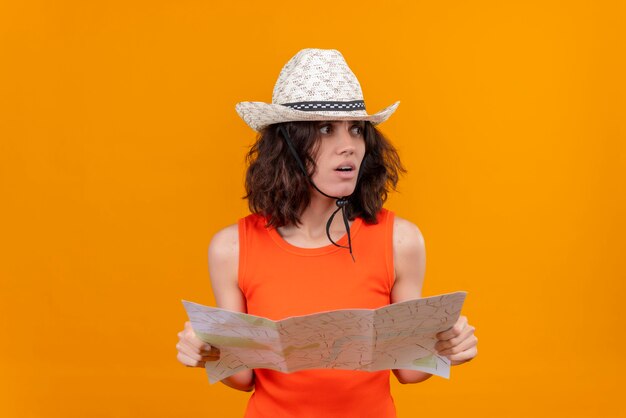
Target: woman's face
[338, 156]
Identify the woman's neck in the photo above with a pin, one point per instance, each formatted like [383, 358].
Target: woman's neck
[312, 229]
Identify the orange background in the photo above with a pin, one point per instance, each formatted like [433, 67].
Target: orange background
[121, 154]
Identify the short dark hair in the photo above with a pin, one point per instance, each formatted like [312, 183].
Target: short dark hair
[277, 188]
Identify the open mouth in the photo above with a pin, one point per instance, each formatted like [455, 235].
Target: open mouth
[344, 168]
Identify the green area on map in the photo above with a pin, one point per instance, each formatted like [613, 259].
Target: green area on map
[428, 361]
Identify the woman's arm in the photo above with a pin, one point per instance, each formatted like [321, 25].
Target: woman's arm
[409, 257]
[457, 343]
[223, 269]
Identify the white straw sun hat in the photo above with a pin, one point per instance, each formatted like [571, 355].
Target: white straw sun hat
[316, 84]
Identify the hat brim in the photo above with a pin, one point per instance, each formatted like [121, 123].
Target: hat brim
[258, 115]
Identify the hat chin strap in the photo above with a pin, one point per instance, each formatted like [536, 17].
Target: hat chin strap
[341, 202]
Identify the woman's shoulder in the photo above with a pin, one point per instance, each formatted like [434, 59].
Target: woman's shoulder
[407, 237]
[224, 246]
[409, 254]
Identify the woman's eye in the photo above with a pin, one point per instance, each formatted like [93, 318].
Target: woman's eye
[357, 130]
[325, 129]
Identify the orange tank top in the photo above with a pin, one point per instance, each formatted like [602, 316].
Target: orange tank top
[280, 280]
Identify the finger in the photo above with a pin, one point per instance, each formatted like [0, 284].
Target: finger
[196, 354]
[182, 334]
[190, 336]
[465, 334]
[189, 329]
[212, 354]
[188, 361]
[197, 343]
[188, 351]
[463, 357]
[464, 345]
[455, 331]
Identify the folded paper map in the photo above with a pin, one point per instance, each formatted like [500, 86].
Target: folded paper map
[396, 336]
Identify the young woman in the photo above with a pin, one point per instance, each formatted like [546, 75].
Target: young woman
[318, 238]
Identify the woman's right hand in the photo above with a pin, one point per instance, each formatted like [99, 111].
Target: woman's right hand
[192, 351]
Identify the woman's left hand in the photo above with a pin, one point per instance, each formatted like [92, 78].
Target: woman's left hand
[458, 343]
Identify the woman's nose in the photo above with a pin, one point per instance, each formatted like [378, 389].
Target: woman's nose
[346, 142]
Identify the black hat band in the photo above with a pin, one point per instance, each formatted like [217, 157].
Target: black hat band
[311, 106]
